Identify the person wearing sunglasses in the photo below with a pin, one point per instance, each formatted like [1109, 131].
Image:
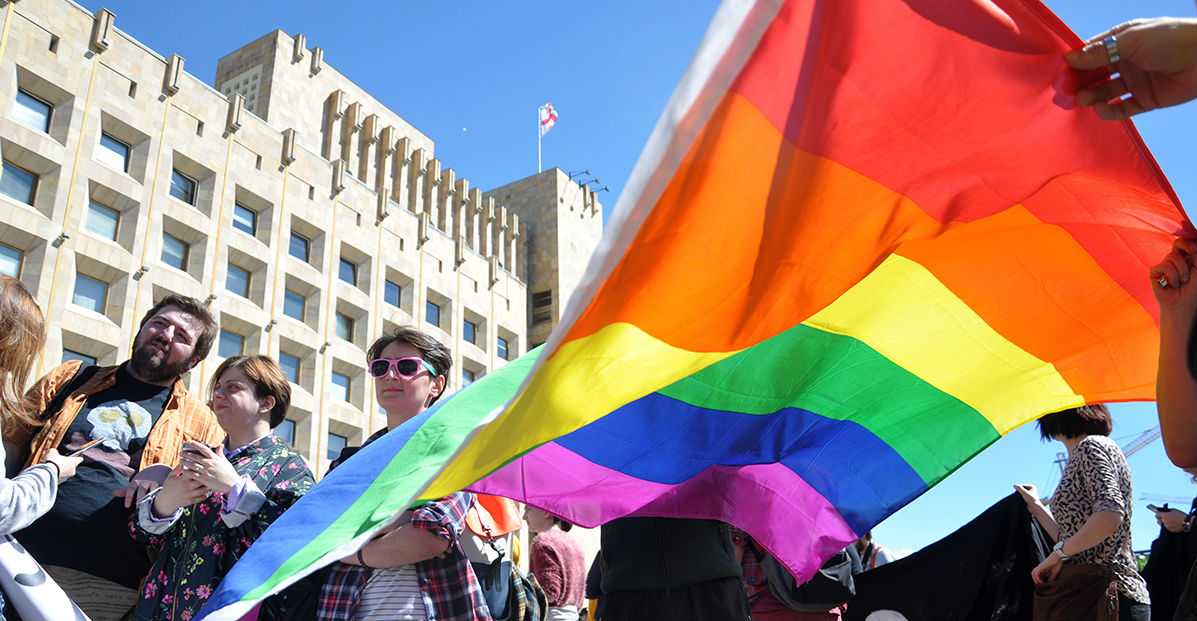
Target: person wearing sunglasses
[417, 568]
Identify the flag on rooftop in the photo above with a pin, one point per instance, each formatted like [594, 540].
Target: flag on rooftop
[548, 118]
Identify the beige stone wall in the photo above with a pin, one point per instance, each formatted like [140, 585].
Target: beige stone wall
[564, 224]
[119, 87]
[301, 94]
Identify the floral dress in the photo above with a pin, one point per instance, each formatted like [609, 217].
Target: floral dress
[200, 543]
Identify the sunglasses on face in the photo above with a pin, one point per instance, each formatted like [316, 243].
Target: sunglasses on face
[406, 368]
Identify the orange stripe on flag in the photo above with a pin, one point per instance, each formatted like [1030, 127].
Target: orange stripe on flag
[750, 238]
[1051, 298]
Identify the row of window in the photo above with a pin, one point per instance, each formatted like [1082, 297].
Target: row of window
[92, 293]
[36, 113]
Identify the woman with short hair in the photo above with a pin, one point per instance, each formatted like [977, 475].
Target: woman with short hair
[417, 568]
[219, 500]
[1090, 512]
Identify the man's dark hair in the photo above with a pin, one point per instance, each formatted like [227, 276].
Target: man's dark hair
[1087, 420]
[197, 310]
[431, 350]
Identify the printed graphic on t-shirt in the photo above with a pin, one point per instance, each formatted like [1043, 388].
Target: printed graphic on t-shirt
[122, 426]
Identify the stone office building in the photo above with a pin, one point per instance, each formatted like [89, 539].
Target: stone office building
[309, 216]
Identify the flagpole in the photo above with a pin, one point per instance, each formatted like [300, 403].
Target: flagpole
[539, 134]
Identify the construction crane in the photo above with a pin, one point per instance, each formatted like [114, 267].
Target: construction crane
[1136, 444]
[1141, 441]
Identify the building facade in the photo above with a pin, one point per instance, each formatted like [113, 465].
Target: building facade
[309, 228]
[565, 223]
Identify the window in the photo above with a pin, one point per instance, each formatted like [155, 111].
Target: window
[336, 444]
[90, 293]
[113, 153]
[18, 184]
[344, 327]
[301, 247]
[392, 293]
[293, 305]
[340, 386]
[245, 219]
[174, 251]
[542, 306]
[348, 271]
[182, 187]
[231, 344]
[467, 377]
[502, 348]
[33, 112]
[286, 431]
[432, 313]
[10, 261]
[290, 365]
[103, 220]
[69, 354]
[469, 332]
[237, 281]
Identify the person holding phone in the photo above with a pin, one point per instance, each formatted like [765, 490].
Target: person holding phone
[30, 494]
[141, 412]
[219, 500]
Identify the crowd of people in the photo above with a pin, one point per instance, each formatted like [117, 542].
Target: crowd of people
[137, 497]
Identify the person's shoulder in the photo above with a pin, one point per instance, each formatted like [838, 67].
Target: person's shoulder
[1097, 442]
[190, 404]
[60, 375]
[1100, 447]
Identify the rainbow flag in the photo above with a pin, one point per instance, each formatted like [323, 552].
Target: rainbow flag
[866, 239]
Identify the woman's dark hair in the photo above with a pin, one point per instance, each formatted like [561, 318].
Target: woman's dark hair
[431, 350]
[562, 524]
[1087, 420]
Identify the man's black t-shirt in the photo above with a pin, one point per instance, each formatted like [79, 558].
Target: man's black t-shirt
[88, 528]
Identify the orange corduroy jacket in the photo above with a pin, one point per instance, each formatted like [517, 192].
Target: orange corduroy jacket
[183, 418]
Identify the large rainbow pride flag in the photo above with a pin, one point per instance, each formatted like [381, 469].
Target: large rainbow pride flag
[866, 239]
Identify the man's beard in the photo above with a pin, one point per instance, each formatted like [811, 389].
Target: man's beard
[143, 366]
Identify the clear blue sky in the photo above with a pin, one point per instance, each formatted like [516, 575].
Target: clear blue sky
[471, 76]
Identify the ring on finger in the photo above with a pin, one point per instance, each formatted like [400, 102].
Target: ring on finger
[1163, 280]
[1112, 53]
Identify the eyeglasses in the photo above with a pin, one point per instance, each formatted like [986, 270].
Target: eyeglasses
[406, 368]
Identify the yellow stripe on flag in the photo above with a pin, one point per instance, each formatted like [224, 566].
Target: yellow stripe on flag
[611, 367]
[904, 312]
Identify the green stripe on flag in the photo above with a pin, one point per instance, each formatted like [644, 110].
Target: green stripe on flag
[842, 378]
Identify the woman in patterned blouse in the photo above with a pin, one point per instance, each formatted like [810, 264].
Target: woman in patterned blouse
[1090, 513]
[219, 499]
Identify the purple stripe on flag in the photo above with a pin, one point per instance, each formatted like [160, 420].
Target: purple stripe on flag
[769, 501]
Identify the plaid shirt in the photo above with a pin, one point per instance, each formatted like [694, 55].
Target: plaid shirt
[451, 591]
